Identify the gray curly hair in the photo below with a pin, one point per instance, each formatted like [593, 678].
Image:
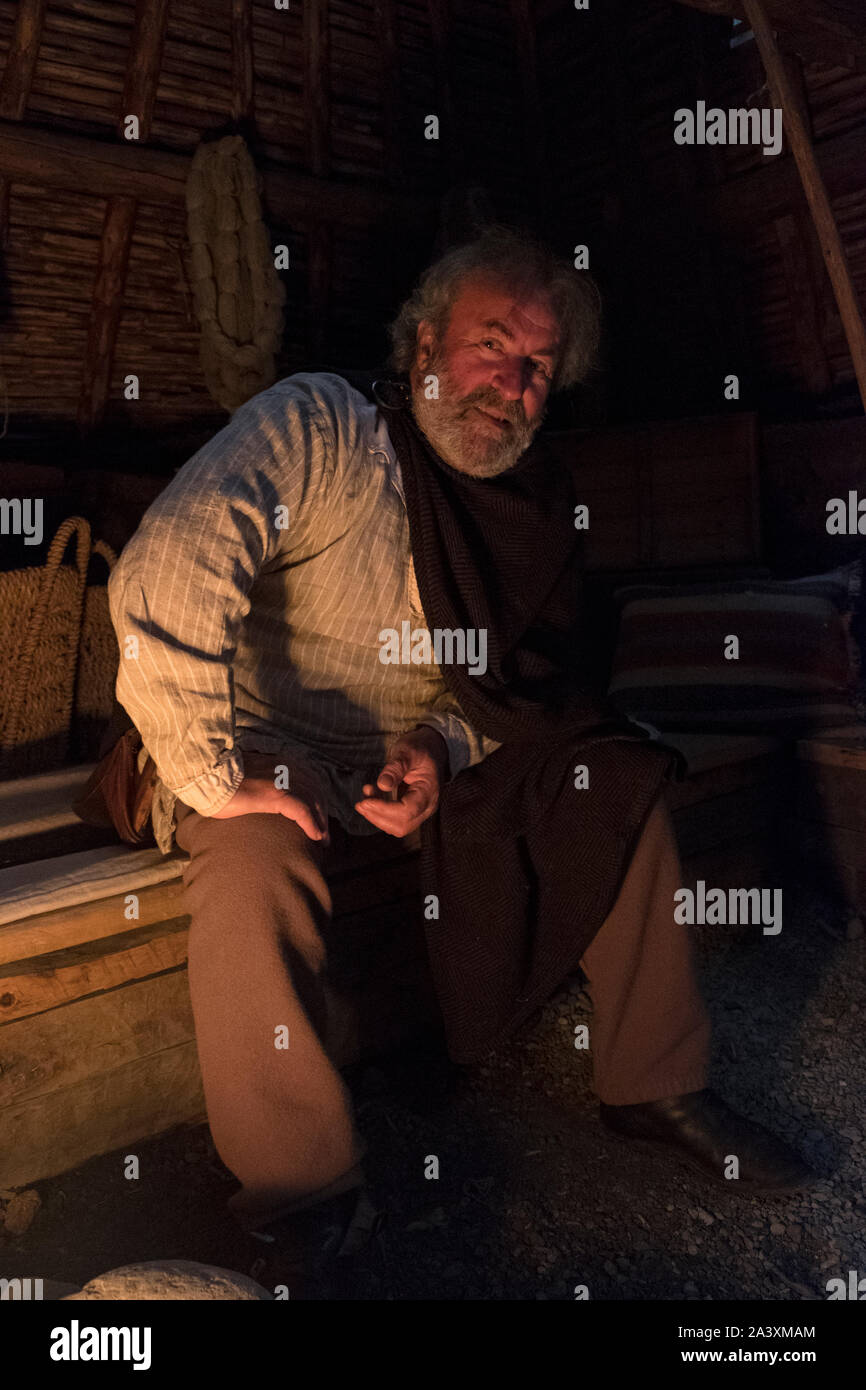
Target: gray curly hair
[521, 261]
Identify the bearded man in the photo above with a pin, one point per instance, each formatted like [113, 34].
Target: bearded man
[259, 586]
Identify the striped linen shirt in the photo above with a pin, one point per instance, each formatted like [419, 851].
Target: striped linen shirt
[249, 604]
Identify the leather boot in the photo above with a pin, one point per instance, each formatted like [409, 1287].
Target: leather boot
[316, 1252]
[706, 1133]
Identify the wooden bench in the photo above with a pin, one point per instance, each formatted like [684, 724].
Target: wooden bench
[97, 1044]
[831, 811]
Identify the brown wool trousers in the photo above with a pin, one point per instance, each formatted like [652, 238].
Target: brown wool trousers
[282, 1121]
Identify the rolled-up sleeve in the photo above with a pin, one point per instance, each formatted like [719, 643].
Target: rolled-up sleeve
[466, 746]
[179, 592]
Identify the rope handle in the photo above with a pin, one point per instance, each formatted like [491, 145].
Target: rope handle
[80, 527]
[104, 549]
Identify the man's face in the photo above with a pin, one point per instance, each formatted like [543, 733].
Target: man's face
[493, 370]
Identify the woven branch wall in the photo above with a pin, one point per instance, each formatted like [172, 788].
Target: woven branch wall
[563, 116]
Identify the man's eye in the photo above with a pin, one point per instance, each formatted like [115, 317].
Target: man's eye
[489, 343]
[540, 367]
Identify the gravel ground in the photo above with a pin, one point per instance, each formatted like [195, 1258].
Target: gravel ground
[533, 1196]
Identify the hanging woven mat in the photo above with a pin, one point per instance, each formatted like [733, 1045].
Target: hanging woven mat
[237, 292]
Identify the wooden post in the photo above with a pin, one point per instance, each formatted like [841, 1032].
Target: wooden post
[139, 97]
[243, 101]
[17, 80]
[317, 101]
[784, 95]
[317, 84]
[385, 12]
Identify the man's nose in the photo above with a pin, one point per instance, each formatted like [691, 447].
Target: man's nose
[510, 379]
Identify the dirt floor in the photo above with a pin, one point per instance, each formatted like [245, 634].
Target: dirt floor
[533, 1196]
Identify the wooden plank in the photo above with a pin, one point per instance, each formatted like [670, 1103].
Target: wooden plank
[70, 926]
[838, 857]
[843, 748]
[363, 905]
[56, 159]
[389, 871]
[833, 795]
[784, 95]
[765, 768]
[55, 1050]
[45, 982]
[48, 1134]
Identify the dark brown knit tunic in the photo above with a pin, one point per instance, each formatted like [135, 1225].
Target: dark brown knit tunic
[525, 865]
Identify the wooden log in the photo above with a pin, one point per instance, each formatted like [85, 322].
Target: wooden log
[139, 96]
[46, 982]
[785, 96]
[49, 1134]
[56, 159]
[317, 84]
[21, 59]
[108, 1069]
[243, 108]
[385, 12]
[143, 64]
[17, 80]
[54, 1050]
[71, 926]
[106, 309]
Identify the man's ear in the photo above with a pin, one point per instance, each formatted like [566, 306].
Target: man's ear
[424, 342]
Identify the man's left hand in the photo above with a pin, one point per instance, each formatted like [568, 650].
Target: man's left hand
[417, 766]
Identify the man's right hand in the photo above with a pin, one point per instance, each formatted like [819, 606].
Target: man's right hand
[258, 794]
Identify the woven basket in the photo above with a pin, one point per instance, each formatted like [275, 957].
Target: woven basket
[40, 622]
[98, 660]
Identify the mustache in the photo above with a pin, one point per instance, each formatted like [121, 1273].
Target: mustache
[488, 399]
